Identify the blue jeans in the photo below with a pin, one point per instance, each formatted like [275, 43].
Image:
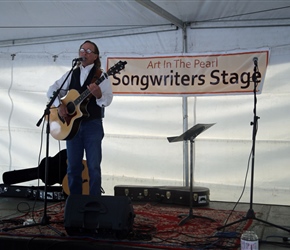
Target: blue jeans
[89, 140]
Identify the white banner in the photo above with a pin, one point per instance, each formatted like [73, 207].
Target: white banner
[215, 74]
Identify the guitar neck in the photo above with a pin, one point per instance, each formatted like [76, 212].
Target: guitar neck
[87, 92]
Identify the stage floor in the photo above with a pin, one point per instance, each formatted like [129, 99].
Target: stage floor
[270, 236]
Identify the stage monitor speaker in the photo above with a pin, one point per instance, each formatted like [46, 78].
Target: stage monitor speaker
[104, 216]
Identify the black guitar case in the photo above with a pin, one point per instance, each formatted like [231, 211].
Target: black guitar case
[178, 195]
[57, 168]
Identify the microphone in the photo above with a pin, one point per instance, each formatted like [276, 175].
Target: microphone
[255, 60]
[256, 73]
[80, 59]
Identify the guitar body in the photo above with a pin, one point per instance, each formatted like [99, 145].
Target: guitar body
[86, 181]
[65, 129]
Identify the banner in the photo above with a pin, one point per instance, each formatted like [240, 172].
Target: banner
[184, 75]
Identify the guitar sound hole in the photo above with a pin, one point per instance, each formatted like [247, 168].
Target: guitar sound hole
[70, 108]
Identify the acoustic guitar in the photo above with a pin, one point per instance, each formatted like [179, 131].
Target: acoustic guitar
[76, 104]
[86, 181]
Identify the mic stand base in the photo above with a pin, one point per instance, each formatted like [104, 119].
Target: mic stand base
[251, 216]
[191, 216]
[44, 222]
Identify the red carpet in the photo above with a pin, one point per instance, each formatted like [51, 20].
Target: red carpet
[155, 226]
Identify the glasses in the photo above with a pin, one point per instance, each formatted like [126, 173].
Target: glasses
[88, 51]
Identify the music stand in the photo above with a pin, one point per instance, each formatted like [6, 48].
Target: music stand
[190, 135]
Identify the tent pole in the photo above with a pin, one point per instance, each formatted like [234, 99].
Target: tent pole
[185, 120]
[185, 143]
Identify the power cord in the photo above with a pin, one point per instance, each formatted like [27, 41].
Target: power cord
[244, 187]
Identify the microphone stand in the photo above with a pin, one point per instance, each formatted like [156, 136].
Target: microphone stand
[45, 219]
[251, 214]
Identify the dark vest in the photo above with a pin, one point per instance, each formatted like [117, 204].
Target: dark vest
[94, 110]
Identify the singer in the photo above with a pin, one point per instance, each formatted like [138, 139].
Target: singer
[89, 136]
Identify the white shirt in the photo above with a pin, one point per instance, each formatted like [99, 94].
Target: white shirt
[105, 86]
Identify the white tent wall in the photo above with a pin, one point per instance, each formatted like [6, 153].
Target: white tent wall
[231, 138]
[26, 77]
[135, 148]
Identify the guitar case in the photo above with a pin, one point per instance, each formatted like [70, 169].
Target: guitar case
[105, 216]
[178, 195]
[181, 195]
[138, 193]
[56, 171]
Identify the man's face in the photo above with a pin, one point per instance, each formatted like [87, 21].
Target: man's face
[88, 52]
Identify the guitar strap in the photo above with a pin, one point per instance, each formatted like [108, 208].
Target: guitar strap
[92, 78]
[97, 75]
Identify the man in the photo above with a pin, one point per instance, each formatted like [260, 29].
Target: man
[89, 137]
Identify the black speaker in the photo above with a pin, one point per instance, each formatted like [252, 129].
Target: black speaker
[105, 216]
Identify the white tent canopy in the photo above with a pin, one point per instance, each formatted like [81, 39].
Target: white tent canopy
[40, 38]
[25, 22]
